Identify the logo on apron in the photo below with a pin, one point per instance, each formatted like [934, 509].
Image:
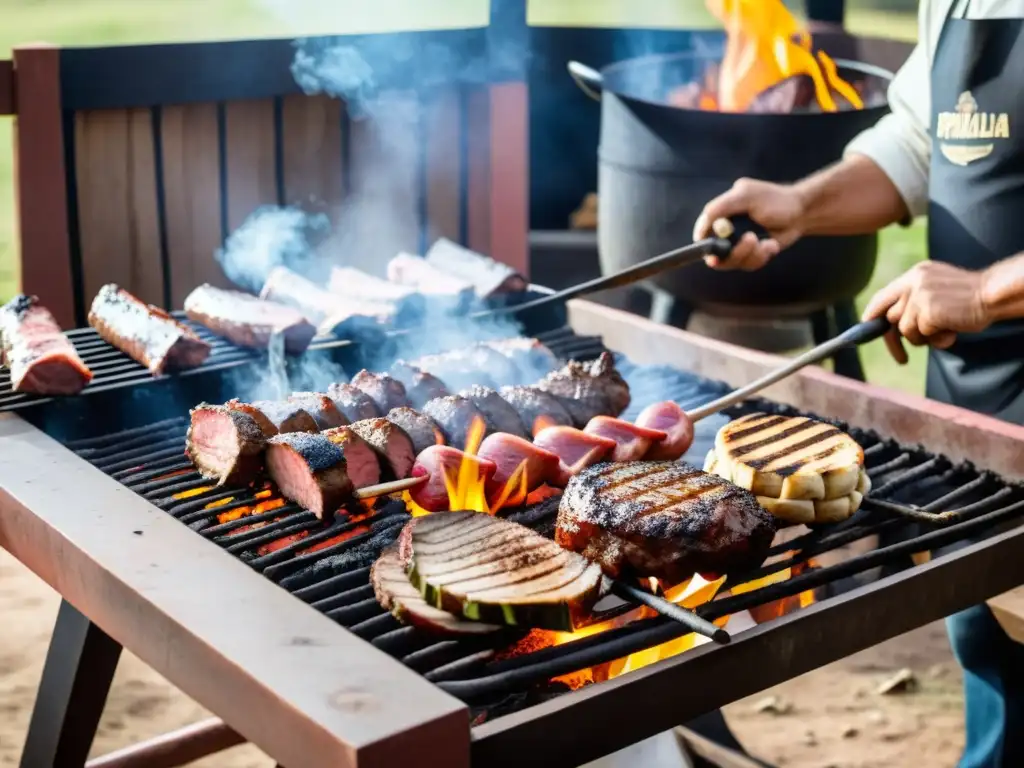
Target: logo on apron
[958, 132]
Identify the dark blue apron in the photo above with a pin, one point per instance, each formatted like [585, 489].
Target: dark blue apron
[976, 207]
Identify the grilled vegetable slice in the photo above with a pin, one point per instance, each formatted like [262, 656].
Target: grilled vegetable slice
[491, 570]
[396, 594]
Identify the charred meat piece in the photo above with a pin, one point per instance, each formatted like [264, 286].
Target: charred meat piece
[325, 413]
[673, 421]
[146, 334]
[487, 276]
[454, 415]
[588, 389]
[309, 470]
[436, 462]
[277, 416]
[394, 447]
[361, 460]
[386, 392]
[397, 595]
[40, 357]
[576, 449]
[632, 442]
[536, 408]
[499, 414]
[225, 445]
[354, 404]
[420, 386]
[509, 453]
[248, 321]
[488, 569]
[421, 429]
[662, 519]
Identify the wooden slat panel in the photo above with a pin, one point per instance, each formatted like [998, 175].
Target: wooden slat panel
[478, 212]
[251, 165]
[510, 169]
[443, 149]
[192, 197]
[312, 140]
[117, 203]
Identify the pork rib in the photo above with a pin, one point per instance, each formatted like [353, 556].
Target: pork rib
[40, 357]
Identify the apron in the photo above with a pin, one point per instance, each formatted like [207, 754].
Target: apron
[976, 206]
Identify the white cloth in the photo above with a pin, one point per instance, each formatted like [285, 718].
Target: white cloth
[900, 143]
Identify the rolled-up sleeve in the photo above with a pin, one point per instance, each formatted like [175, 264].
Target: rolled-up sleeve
[900, 143]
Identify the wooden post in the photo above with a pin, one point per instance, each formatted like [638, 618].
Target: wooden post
[6, 87]
[41, 182]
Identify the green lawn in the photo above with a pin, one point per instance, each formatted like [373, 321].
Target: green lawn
[102, 22]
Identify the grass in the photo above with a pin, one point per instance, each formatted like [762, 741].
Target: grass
[113, 22]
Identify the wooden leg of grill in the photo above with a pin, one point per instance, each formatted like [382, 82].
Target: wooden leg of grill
[76, 679]
[171, 750]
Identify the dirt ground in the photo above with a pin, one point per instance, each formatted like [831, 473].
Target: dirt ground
[831, 717]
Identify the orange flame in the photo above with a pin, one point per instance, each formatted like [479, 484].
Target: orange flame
[543, 422]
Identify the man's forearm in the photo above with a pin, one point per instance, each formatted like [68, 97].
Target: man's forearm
[1003, 289]
[852, 197]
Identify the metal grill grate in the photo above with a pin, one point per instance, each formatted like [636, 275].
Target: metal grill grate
[328, 566]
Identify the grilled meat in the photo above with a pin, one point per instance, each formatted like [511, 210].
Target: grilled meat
[40, 357]
[487, 569]
[669, 418]
[248, 321]
[354, 404]
[501, 416]
[662, 519]
[436, 462]
[394, 447]
[576, 449]
[454, 415]
[361, 461]
[529, 355]
[386, 392]
[588, 389]
[536, 408]
[420, 386]
[508, 452]
[225, 445]
[277, 416]
[309, 470]
[487, 276]
[475, 364]
[397, 595]
[145, 333]
[354, 283]
[414, 272]
[421, 429]
[632, 442]
[318, 405]
[325, 309]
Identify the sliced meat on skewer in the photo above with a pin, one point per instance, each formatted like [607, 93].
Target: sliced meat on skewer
[355, 404]
[671, 419]
[394, 447]
[487, 276]
[454, 415]
[247, 320]
[536, 408]
[632, 441]
[361, 461]
[397, 595]
[420, 386]
[386, 392]
[421, 429]
[435, 462]
[508, 453]
[499, 414]
[145, 333]
[323, 308]
[277, 416]
[662, 519]
[40, 357]
[588, 389]
[318, 405]
[309, 470]
[576, 449]
[225, 445]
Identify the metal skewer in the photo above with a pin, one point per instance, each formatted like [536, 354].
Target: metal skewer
[672, 611]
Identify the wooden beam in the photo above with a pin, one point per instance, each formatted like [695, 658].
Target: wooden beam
[1008, 608]
[6, 87]
[174, 749]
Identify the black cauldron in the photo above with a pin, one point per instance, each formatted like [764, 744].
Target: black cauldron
[659, 164]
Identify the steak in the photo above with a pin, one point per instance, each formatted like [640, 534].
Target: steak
[355, 404]
[537, 409]
[394, 448]
[662, 519]
[226, 445]
[361, 460]
[318, 405]
[454, 416]
[386, 392]
[588, 389]
[248, 321]
[501, 416]
[420, 386]
[145, 333]
[40, 357]
[309, 470]
[421, 429]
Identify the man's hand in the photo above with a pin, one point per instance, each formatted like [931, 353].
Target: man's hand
[930, 304]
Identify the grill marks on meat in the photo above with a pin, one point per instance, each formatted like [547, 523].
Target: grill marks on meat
[42, 360]
[436, 462]
[491, 570]
[145, 333]
[309, 470]
[248, 321]
[589, 389]
[536, 408]
[318, 405]
[669, 418]
[454, 415]
[663, 519]
[394, 448]
[277, 416]
[421, 429]
[631, 441]
[386, 392]
[225, 445]
[420, 386]
[361, 460]
[355, 404]
[501, 416]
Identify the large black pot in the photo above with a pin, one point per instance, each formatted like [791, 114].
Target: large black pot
[659, 164]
